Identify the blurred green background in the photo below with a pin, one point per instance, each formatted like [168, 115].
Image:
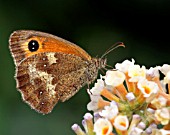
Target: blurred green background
[143, 25]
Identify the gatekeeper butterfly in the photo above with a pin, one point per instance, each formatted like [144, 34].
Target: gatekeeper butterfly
[50, 69]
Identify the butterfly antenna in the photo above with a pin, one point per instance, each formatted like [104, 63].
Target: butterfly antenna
[114, 46]
[109, 66]
[102, 71]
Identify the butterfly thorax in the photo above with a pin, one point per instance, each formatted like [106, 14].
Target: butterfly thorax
[93, 67]
[100, 62]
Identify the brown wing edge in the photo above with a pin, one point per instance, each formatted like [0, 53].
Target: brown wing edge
[15, 41]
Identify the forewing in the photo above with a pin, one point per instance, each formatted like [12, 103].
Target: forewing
[19, 40]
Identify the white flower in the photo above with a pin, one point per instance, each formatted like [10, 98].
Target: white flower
[150, 110]
[151, 127]
[167, 78]
[141, 125]
[87, 122]
[164, 132]
[160, 132]
[103, 127]
[121, 122]
[135, 73]
[134, 122]
[114, 78]
[136, 131]
[96, 116]
[111, 111]
[159, 102]
[147, 87]
[88, 116]
[93, 105]
[124, 66]
[98, 87]
[130, 96]
[153, 72]
[163, 86]
[162, 115]
[76, 128]
[165, 69]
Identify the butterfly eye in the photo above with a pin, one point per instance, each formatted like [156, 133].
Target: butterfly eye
[33, 45]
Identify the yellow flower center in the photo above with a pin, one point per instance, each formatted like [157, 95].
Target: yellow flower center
[123, 124]
[105, 130]
[147, 89]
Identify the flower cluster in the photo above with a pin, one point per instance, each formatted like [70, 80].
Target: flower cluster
[129, 100]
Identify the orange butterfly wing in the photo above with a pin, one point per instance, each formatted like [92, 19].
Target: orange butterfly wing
[47, 43]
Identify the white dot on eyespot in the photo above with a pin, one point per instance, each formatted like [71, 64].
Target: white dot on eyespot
[42, 103]
[45, 65]
[41, 92]
[33, 48]
[43, 58]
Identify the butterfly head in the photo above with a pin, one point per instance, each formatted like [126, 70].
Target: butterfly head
[101, 63]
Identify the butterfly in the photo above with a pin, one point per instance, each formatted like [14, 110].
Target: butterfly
[50, 69]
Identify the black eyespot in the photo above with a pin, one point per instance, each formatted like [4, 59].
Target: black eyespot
[33, 45]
